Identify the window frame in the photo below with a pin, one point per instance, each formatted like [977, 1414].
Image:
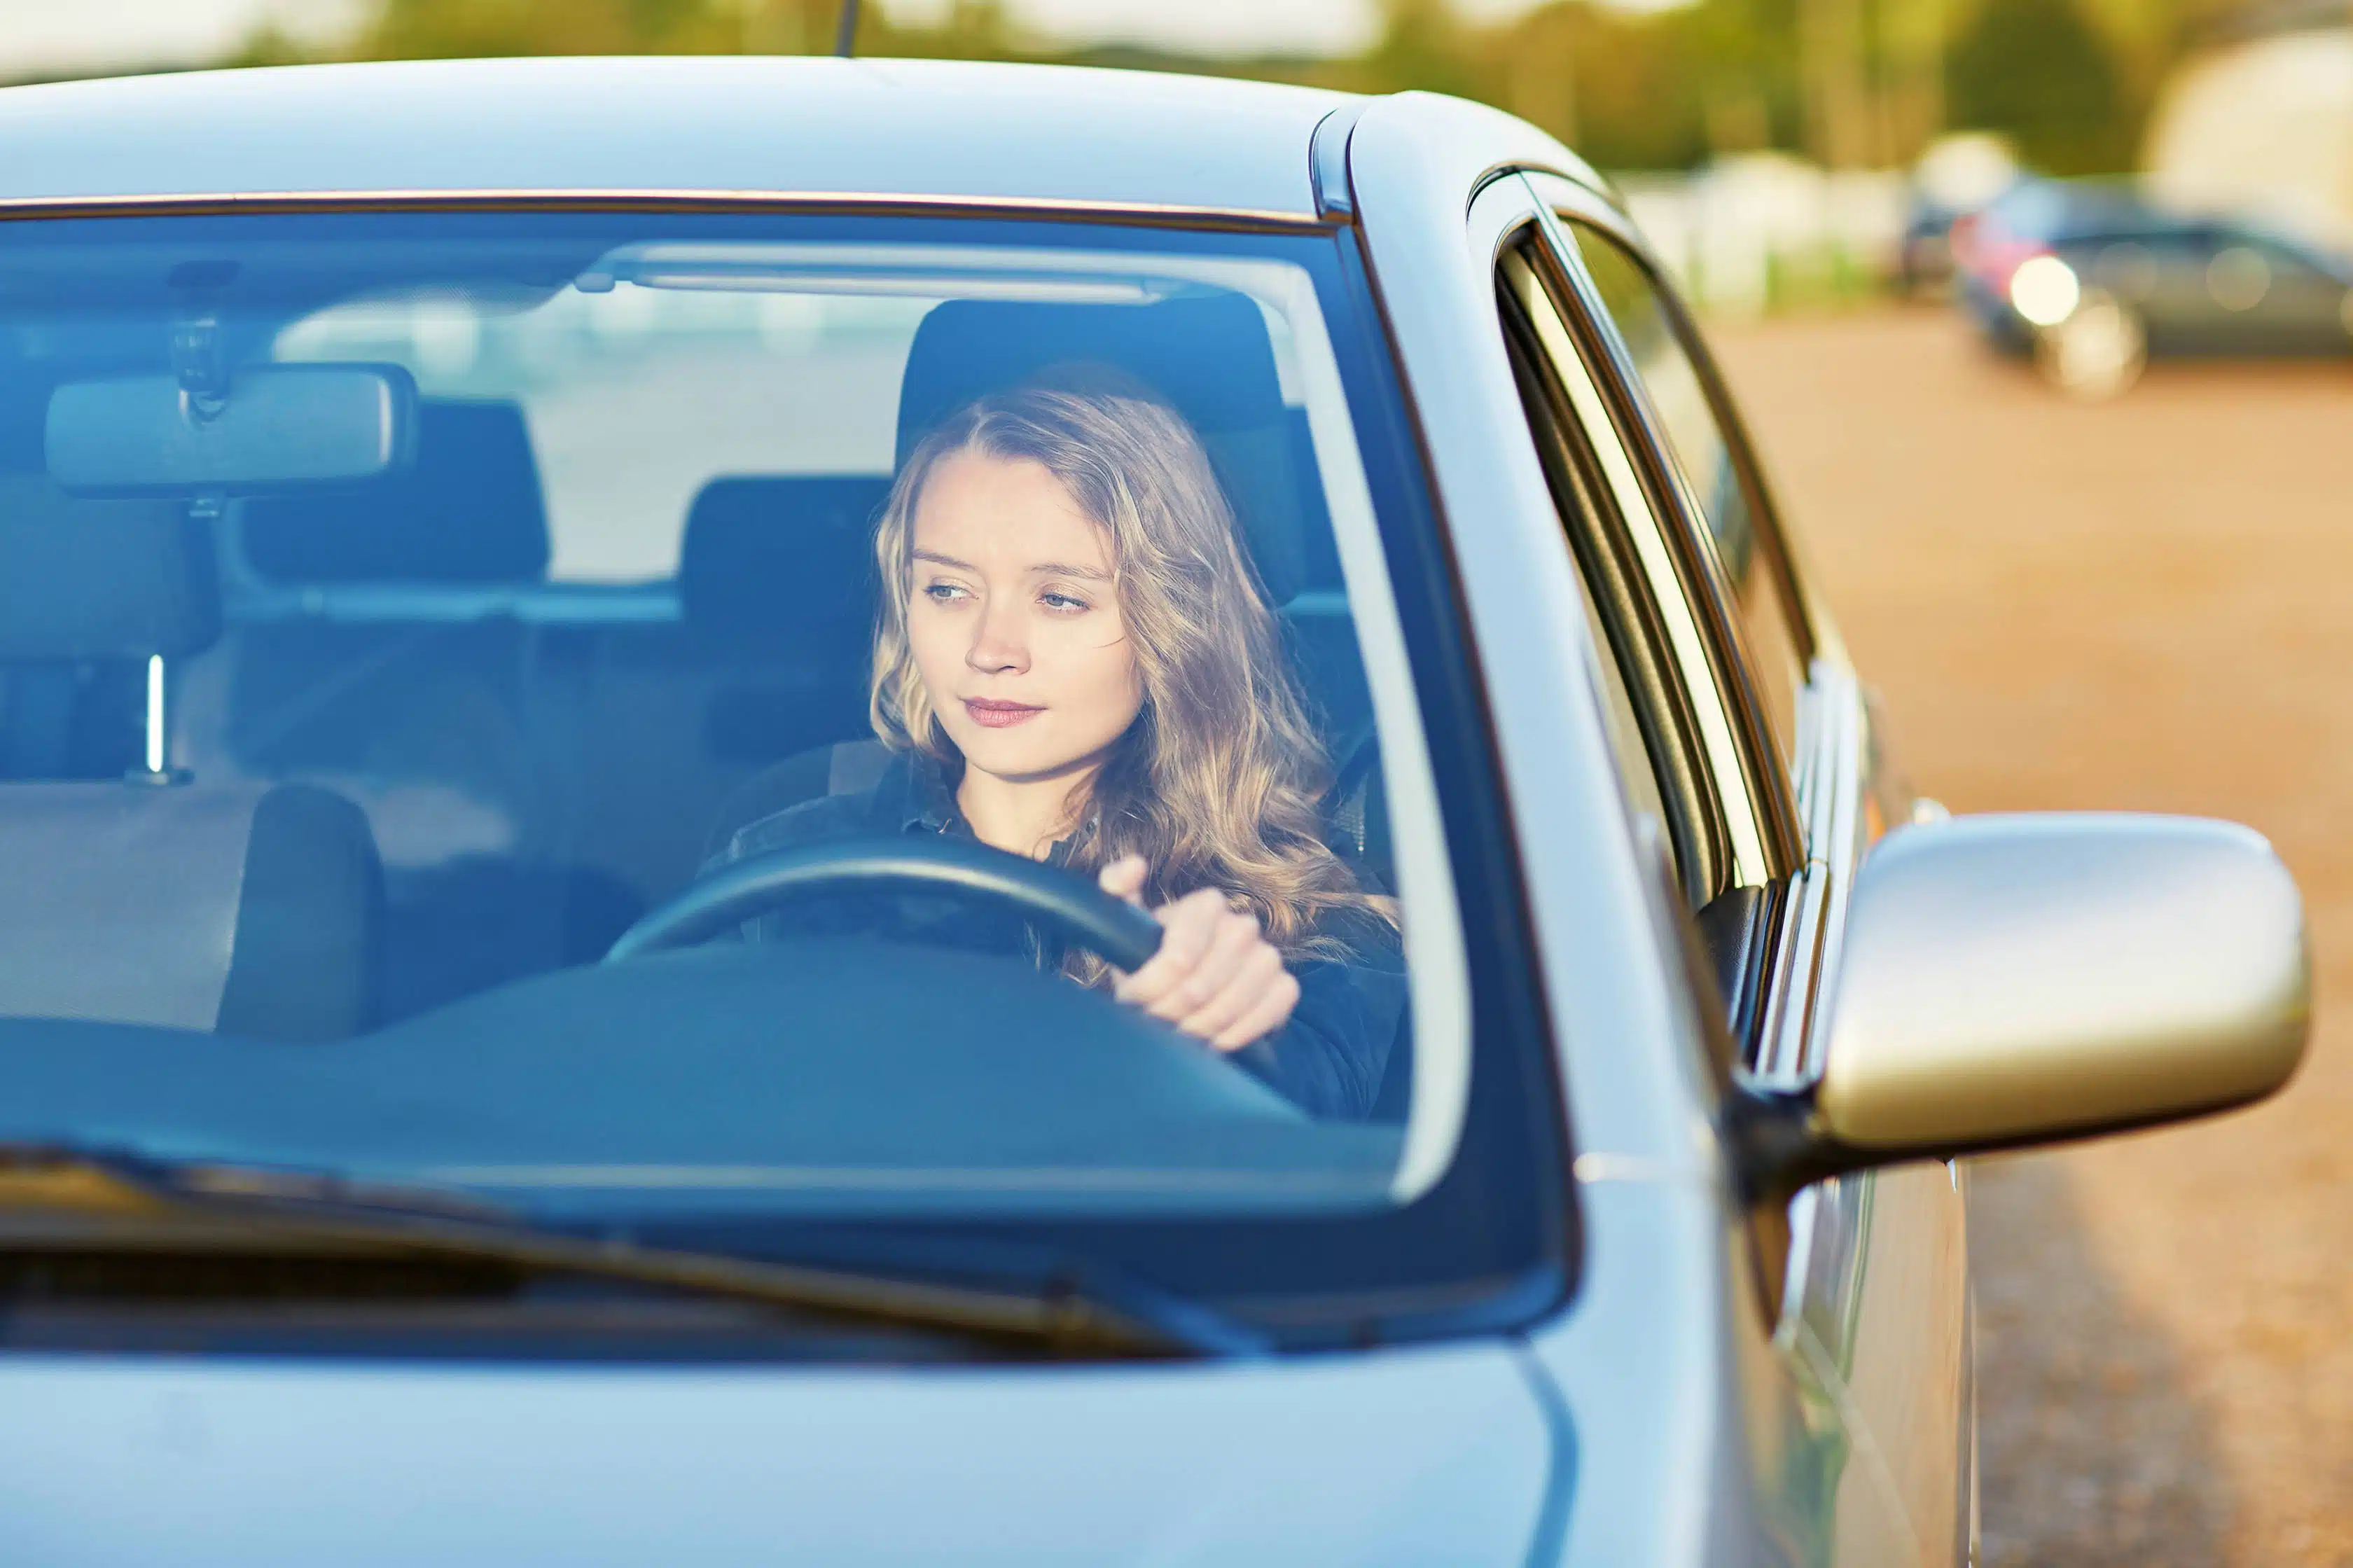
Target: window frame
[1600, 540]
[1781, 1041]
[1760, 776]
[1753, 787]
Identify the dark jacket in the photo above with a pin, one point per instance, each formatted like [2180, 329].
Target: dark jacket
[1329, 1059]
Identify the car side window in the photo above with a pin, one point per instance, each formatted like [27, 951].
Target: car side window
[1655, 760]
[1654, 722]
[1668, 361]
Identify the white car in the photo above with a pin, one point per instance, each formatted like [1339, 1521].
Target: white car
[438, 529]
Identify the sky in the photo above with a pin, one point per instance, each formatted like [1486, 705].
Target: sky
[38, 36]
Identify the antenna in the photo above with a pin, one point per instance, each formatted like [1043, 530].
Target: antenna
[845, 30]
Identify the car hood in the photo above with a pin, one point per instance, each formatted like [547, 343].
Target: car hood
[1431, 1456]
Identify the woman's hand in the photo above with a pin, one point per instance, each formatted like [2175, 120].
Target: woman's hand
[1215, 977]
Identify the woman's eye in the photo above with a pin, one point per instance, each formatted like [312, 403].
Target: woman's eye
[942, 592]
[1054, 601]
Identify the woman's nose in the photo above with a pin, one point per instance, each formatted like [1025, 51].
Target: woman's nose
[997, 644]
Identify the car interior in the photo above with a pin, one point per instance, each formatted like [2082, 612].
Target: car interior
[399, 765]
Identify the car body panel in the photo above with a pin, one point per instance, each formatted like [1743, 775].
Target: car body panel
[768, 126]
[1409, 1457]
[1654, 1347]
[1870, 1304]
[1879, 1265]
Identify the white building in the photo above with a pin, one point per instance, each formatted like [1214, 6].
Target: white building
[2260, 123]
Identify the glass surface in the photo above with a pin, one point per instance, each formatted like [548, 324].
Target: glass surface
[1703, 454]
[1522, 298]
[716, 543]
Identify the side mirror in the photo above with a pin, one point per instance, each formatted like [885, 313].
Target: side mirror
[2027, 979]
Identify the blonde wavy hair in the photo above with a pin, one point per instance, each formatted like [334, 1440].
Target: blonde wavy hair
[1217, 782]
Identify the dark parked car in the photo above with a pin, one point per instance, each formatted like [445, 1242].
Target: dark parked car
[2094, 281]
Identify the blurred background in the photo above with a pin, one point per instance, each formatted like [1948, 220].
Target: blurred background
[1777, 151]
[2042, 313]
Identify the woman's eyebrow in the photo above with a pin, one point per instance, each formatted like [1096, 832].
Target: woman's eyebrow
[1044, 568]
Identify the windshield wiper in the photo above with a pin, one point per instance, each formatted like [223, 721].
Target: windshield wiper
[1077, 1312]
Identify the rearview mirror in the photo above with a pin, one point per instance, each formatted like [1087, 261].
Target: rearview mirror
[2027, 979]
[276, 428]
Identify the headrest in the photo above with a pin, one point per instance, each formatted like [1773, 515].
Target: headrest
[785, 562]
[246, 909]
[1209, 358]
[101, 579]
[469, 510]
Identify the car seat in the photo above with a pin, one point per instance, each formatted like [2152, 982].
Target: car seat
[1211, 359]
[240, 906]
[414, 704]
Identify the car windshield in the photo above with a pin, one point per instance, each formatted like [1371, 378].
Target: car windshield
[523, 702]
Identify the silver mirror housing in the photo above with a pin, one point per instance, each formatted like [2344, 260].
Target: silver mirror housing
[2014, 979]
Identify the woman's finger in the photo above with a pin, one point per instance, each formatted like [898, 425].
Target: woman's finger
[1251, 979]
[1123, 878]
[1187, 927]
[1232, 937]
[1272, 1012]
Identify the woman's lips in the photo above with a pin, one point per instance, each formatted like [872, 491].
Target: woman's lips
[995, 715]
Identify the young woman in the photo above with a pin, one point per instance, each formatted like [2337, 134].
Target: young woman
[1073, 662]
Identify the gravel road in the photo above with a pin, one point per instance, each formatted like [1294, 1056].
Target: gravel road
[2149, 606]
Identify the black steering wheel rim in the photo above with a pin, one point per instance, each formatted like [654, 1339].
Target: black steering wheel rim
[1070, 904]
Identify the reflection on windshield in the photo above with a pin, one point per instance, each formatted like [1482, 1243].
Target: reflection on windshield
[934, 667]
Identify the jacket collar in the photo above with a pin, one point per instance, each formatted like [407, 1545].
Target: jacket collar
[923, 799]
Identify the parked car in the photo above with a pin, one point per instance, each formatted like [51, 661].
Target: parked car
[439, 512]
[2094, 281]
[1955, 179]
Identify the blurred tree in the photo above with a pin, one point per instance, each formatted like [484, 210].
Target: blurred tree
[1422, 45]
[1854, 81]
[1831, 62]
[2038, 71]
[443, 29]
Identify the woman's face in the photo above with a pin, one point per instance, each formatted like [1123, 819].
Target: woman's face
[1013, 622]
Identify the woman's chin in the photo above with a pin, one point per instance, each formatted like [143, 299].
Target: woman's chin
[1014, 761]
[999, 754]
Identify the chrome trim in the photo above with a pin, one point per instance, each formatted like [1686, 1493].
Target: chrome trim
[1800, 968]
[171, 204]
[1692, 631]
[1830, 797]
[1622, 577]
[1759, 772]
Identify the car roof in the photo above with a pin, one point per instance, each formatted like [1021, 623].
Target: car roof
[956, 129]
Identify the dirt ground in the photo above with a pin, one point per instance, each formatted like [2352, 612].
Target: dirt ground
[2147, 604]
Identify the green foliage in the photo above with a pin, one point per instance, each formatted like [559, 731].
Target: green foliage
[1630, 88]
[2036, 69]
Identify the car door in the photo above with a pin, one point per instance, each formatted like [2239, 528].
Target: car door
[2176, 302]
[1872, 1287]
[2304, 309]
[1670, 734]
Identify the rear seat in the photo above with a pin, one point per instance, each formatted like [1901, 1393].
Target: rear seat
[775, 592]
[245, 908]
[423, 722]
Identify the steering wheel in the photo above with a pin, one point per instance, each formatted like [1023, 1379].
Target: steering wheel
[1123, 936]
